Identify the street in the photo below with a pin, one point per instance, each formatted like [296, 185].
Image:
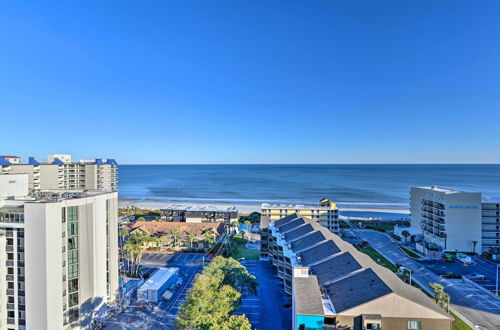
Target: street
[478, 306]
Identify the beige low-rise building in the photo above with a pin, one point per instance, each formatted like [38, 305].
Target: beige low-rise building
[326, 212]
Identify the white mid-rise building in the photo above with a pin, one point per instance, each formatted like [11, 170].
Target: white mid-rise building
[62, 173]
[58, 255]
[449, 219]
[490, 227]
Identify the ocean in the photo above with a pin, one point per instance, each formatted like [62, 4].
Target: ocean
[356, 187]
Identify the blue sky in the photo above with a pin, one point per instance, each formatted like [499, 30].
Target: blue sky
[252, 81]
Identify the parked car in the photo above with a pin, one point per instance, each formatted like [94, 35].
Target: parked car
[167, 295]
[464, 258]
[476, 277]
[396, 237]
[449, 257]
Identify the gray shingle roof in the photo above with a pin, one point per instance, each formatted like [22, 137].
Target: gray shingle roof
[356, 289]
[299, 232]
[291, 225]
[307, 241]
[343, 293]
[336, 267]
[319, 252]
[307, 296]
[285, 220]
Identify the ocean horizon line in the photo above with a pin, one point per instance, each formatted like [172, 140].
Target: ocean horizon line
[294, 164]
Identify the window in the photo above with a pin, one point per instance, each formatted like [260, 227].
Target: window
[73, 271]
[10, 299]
[11, 314]
[73, 299]
[72, 228]
[10, 285]
[414, 325]
[73, 285]
[72, 243]
[302, 327]
[72, 213]
[74, 314]
[72, 257]
[10, 256]
[63, 215]
[373, 326]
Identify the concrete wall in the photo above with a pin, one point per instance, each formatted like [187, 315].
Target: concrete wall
[25, 169]
[463, 221]
[44, 270]
[13, 185]
[49, 176]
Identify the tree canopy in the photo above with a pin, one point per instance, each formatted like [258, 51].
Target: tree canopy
[215, 294]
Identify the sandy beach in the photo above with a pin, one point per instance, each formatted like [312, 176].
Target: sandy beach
[242, 208]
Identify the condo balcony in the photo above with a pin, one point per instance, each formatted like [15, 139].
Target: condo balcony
[490, 237]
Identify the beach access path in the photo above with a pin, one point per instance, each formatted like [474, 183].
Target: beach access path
[479, 307]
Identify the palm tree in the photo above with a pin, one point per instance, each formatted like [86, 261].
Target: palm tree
[406, 234]
[130, 248]
[175, 233]
[191, 237]
[446, 299]
[438, 291]
[138, 257]
[123, 233]
[165, 239]
[209, 237]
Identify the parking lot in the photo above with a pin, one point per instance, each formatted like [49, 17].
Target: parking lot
[479, 266]
[270, 308]
[160, 315]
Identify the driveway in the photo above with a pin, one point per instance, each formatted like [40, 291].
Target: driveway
[479, 307]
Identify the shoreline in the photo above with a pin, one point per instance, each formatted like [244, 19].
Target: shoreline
[248, 208]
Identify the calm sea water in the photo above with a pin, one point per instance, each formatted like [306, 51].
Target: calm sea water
[359, 186]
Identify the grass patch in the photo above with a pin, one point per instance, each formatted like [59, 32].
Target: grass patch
[242, 252]
[377, 257]
[248, 254]
[380, 226]
[458, 324]
[410, 253]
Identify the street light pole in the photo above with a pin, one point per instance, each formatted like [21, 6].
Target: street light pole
[402, 267]
[496, 289]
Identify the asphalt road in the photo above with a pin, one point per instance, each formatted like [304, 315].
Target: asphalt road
[479, 266]
[479, 307]
[269, 309]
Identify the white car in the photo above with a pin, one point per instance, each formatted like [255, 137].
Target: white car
[464, 258]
